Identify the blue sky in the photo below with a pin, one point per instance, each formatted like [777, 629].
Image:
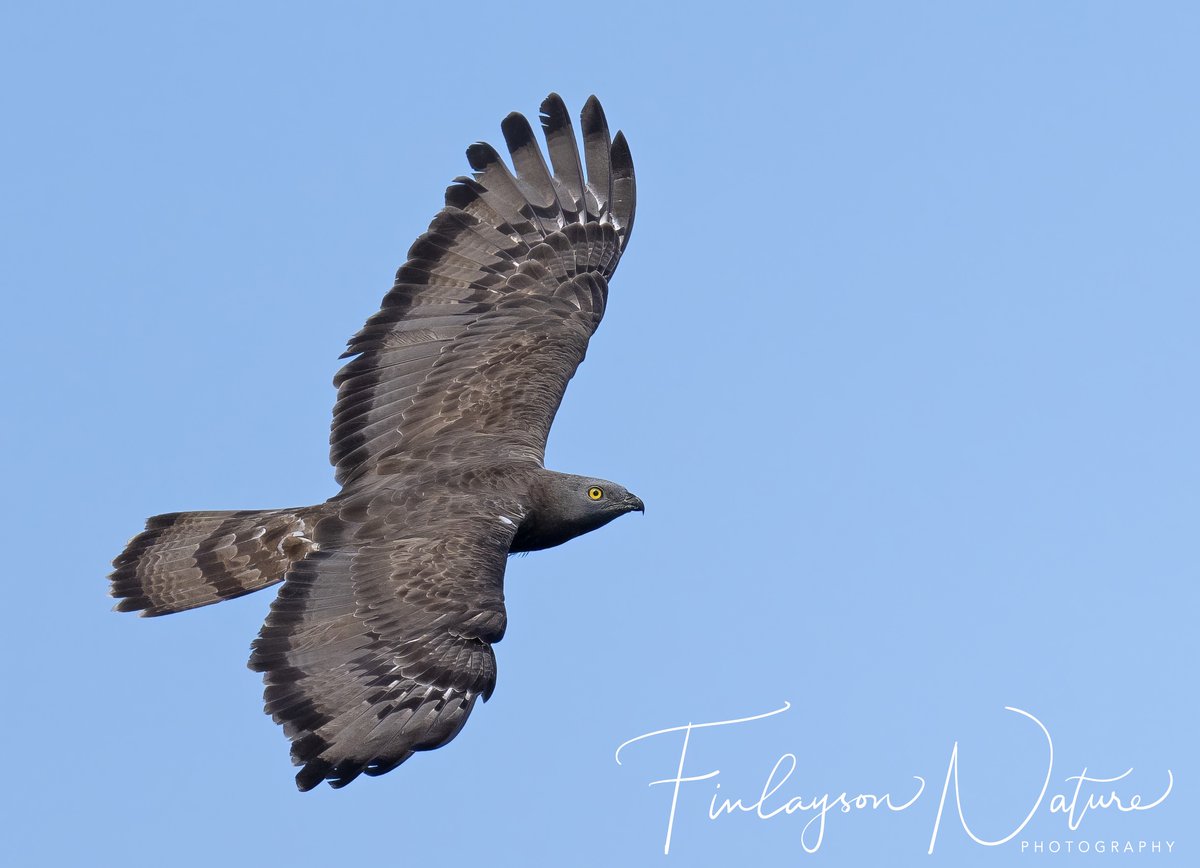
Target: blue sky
[902, 358]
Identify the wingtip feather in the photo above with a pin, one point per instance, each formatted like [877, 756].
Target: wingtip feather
[597, 151]
[624, 186]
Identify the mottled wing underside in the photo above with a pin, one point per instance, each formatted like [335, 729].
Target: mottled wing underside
[492, 312]
[379, 644]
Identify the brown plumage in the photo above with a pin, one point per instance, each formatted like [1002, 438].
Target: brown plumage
[379, 642]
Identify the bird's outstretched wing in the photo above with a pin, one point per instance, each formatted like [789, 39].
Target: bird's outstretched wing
[379, 644]
[492, 312]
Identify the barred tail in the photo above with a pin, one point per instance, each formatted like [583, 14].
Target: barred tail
[187, 559]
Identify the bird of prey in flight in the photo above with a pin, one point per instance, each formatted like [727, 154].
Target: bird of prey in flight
[380, 641]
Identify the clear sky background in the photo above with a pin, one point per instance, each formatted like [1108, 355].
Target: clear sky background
[902, 358]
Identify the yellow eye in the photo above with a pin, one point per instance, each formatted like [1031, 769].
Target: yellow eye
[595, 493]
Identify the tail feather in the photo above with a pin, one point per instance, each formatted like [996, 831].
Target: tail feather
[187, 559]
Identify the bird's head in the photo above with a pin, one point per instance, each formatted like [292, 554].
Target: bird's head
[566, 505]
[598, 497]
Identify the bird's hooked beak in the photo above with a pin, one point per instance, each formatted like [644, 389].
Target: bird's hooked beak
[635, 503]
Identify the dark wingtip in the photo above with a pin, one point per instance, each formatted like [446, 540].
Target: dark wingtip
[481, 155]
[344, 773]
[553, 113]
[620, 151]
[311, 775]
[592, 118]
[592, 106]
[516, 129]
[383, 766]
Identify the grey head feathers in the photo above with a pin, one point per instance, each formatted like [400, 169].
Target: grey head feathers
[564, 506]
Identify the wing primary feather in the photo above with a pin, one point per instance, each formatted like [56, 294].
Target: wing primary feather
[499, 189]
[530, 164]
[624, 188]
[597, 150]
[564, 154]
